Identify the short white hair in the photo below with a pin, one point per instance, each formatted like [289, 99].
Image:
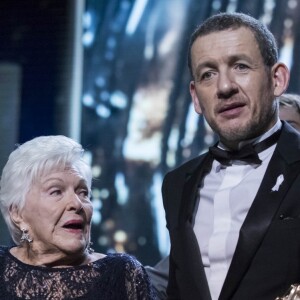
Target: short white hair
[290, 100]
[29, 162]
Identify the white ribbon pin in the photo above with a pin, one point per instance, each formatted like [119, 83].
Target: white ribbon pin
[279, 181]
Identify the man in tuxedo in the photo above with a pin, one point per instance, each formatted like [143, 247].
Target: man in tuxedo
[289, 111]
[233, 212]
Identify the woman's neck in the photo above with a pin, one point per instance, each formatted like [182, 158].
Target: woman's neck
[51, 259]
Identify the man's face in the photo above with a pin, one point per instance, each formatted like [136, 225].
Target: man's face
[232, 87]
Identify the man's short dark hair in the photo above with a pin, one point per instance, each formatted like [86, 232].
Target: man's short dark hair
[225, 21]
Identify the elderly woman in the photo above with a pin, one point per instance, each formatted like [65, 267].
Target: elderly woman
[44, 199]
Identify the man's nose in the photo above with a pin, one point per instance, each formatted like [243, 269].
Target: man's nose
[226, 85]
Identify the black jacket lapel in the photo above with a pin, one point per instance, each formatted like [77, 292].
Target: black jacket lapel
[193, 260]
[263, 210]
[189, 196]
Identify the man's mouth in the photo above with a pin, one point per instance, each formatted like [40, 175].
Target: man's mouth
[230, 107]
[231, 110]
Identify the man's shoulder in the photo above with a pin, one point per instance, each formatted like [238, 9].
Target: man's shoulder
[178, 175]
[188, 166]
[291, 137]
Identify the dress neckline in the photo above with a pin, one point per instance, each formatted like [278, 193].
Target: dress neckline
[54, 269]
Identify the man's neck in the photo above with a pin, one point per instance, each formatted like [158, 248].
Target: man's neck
[236, 145]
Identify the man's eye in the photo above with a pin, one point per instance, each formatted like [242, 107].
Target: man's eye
[206, 76]
[242, 67]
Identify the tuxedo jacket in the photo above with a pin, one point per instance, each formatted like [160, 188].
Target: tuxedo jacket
[266, 260]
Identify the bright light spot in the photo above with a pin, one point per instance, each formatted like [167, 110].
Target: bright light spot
[186, 153]
[267, 16]
[208, 139]
[191, 127]
[149, 52]
[135, 16]
[121, 188]
[96, 171]
[173, 138]
[111, 250]
[104, 193]
[118, 99]
[292, 4]
[102, 111]
[88, 38]
[88, 100]
[288, 23]
[170, 159]
[167, 43]
[96, 193]
[103, 241]
[159, 214]
[120, 236]
[96, 219]
[216, 4]
[172, 142]
[87, 156]
[87, 19]
[269, 5]
[231, 7]
[100, 81]
[286, 52]
[97, 204]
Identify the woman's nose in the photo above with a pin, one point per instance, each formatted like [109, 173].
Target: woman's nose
[74, 202]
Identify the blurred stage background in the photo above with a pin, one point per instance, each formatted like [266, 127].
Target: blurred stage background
[112, 74]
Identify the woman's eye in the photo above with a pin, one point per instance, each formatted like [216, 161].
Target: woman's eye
[55, 192]
[84, 193]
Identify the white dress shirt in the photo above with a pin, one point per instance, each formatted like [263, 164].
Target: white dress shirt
[225, 199]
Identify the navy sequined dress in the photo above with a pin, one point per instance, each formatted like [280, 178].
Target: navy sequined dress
[114, 277]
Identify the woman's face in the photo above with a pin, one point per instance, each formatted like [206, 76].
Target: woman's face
[58, 213]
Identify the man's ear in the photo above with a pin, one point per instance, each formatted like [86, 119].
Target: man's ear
[195, 98]
[281, 78]
[15, 215]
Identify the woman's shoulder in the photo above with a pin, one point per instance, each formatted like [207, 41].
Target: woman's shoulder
[121, 259]
[138, 284]
[122, 263]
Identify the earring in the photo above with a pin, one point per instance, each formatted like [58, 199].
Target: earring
[25, 236]
[89, 248]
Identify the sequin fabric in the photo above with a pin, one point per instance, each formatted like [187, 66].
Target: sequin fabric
[115, 277]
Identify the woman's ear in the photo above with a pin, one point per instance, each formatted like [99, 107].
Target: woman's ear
[281, 78]
[15, 215]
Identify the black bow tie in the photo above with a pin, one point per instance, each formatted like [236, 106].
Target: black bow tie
[248, 154]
